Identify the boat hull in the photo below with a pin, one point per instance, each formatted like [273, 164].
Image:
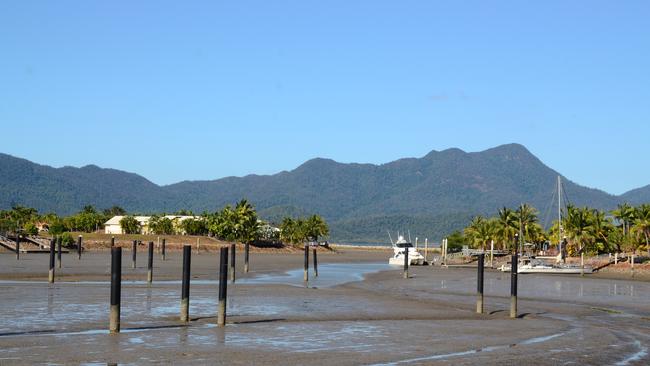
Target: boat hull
[554, 270]
[400, 261]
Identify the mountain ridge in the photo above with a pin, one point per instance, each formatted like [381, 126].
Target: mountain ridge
[447, 183]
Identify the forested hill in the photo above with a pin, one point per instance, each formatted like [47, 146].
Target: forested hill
[429, 195]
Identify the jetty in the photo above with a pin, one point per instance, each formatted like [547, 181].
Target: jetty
[28, 244]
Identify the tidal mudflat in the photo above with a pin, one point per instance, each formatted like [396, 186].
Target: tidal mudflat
[358, 311]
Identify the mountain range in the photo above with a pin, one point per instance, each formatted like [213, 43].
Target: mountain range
[429, 196]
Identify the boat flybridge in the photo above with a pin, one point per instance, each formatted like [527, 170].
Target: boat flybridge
[399, 248]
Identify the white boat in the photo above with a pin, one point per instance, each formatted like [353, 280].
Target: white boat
[531, 264]
[534, 265]
[399, 248]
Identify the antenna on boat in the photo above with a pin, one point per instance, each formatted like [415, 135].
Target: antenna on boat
[391, 239]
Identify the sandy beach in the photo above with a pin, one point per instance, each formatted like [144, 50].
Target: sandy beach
[358, 311]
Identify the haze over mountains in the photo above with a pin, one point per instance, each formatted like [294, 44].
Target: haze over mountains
[429, 196]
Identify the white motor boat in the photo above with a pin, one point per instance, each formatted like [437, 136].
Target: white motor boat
[533, 265]
[399, 248]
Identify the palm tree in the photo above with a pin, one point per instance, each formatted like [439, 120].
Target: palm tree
[481, 231]
[222, 223]
[508, 225]
[245, 223]
[526, 215]
[642, 223]
[316, 227]
[130, 225]
[625, 214]
[600, 228]
[577, 225]
[289, 230]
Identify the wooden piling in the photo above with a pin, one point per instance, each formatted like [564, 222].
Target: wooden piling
[112, 241]
[491, 253]
[150, 263]
[306, 264]
[406, 262]
[116, 289]
[443, 248]
[426, 250]
[233, 259]
[134, 253]
[185, 289]
[59, 242]
[223, 287]
[513, 286]
[315, 253]
[79, 246]
[162, 248]
[246, 256]
[52, 259]
[479, 283]
[17, 247]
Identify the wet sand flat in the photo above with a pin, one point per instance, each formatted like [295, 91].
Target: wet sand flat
[358, 311]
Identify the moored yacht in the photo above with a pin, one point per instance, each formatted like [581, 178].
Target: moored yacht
[399, 248]
[534, 265]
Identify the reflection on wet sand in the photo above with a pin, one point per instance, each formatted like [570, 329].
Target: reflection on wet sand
[382, 320]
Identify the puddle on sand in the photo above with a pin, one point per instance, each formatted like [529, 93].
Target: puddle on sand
[473, 351]
[33, 306]
[329, 275]
[643, 352]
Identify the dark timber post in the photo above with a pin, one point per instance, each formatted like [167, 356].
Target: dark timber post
[79, 241]
[223, 287]
[150, 263]
[116, 289]
[112, 241]
[185, 290]
[246, 255]
[306, 266]
[315, 263]
[162, 249]
[59, 241]
[479, 283]
[513, 286]
[406, 262]
[232, 262]
[52, 248]
[134, 253]
[17, 247]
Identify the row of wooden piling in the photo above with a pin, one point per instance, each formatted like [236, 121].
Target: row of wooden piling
[513, 285]
[480, 282]
[116, 274]
[56, 243]
[116, 280]
[116, 285]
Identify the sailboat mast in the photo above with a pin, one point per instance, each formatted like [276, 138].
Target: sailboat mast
[559, 209]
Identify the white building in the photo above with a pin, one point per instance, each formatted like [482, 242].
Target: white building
[113, 226]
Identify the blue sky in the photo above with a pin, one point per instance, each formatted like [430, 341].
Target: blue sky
[176, 91]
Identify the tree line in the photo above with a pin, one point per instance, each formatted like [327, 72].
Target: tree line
[583, 229]
[231, 223]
